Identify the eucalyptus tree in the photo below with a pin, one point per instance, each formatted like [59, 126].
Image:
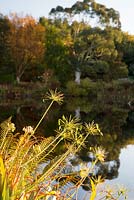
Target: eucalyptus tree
[87, 10]
[94, 50]
[90, 47]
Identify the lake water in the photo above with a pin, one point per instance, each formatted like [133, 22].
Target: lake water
[115, 119]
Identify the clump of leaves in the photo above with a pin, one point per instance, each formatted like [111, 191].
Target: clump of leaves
[29, 169]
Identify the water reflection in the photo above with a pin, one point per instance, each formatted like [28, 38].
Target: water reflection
[115, 120]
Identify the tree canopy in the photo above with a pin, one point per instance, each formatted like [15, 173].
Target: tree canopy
[89, 9]
[66, 42]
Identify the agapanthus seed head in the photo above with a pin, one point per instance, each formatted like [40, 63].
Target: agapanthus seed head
[28, 129]
[92, 128]
[56, 96]
[84, 170]
[100, 153]
[11, 127]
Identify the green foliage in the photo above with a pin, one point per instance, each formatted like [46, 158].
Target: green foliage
[89, 9]
[127, 48]
[118, 70]
[4, 44]
[86, 88]
[57, 43]
[87, 83]
[7, 78]
[101, 68]
[52, 49]
[73, 89]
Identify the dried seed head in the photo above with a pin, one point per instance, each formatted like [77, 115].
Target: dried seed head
[92, 129]
[11, 127]
[28, 129]
[100, 153]
[55, 96]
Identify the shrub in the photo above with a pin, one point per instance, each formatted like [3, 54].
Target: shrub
[72, 88]
[85, 88]
[87, 83]
[90, 87]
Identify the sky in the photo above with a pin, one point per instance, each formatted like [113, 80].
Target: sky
[38, 8]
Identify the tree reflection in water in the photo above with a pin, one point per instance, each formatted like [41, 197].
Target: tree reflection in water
[115, 120]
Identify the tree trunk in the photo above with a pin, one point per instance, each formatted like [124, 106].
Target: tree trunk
[77, 77]
[18, 79]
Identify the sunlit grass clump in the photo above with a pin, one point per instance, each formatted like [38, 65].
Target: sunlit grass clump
[29, 167]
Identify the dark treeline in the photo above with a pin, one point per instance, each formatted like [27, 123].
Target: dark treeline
[84, 42]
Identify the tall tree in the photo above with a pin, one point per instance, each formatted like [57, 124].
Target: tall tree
[58, 41]
[26, 42]
[127, 50]
[99, 54]
[5, 58]
[91, 48]
[87, 10]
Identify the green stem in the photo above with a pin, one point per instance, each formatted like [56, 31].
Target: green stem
[43, 116]
[52, 148]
